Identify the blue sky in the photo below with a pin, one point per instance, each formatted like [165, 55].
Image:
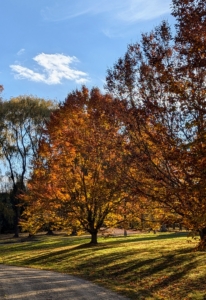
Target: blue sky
[51, 47]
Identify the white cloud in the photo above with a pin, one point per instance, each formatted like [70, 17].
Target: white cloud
[21, 51]
[55, 68]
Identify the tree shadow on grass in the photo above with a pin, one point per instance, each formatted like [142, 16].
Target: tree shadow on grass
[53, 254]
[150, 275]
[44, 243]
[140, 238]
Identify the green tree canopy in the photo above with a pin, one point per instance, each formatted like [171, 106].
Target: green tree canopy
[22, 120]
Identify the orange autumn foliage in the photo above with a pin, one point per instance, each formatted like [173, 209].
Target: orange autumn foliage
[78, 179]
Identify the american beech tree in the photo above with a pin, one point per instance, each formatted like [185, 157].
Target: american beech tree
[162, 79]
[78, 178]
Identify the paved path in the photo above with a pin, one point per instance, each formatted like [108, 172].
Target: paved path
[32, 284]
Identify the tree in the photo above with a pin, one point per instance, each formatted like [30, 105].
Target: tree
[78, 180]
[163, 81]
[22, 120]
[6, 212]
[1, 88]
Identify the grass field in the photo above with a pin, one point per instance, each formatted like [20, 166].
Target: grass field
[142, 266]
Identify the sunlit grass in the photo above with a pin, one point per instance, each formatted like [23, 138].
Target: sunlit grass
[144, 266]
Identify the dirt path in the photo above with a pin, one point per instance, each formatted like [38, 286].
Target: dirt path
[32, 284]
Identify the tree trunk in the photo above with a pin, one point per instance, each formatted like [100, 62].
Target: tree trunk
[202, 243]
[16, 221]
[93, 238]
[16, 206]
[16, 231]
[74, 231]
[49, 232]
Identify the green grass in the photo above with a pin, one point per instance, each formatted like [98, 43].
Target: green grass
[143, 266]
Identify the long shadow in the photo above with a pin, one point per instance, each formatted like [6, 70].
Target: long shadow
[55, 255]
[169, 280]
[134, 239]
[145, 268]
[33, 242]
[43, 243]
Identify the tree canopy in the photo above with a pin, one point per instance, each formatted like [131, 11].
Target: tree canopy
[78, 178]
[162, 81]
[22, 121]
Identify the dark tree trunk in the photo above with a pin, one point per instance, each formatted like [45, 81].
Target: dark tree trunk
[202, 244]
[16, 209]
[16, 221]
[16, 230]
[49, 232]
[93, 238]
[74, 232]
[17, 191]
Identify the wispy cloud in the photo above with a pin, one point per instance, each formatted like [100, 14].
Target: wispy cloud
[117, 16]
[138, 10]
[21, 51]
[61, 11]
[120, 10]
[53, 69]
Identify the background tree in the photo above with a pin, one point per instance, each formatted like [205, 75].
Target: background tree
[78, 179]
[22, 120]
[163, 81]
[6, 213]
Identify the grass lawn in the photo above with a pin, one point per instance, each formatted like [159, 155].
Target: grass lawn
[142, 266]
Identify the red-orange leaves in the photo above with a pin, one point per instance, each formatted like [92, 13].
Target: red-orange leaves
[166, 112]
